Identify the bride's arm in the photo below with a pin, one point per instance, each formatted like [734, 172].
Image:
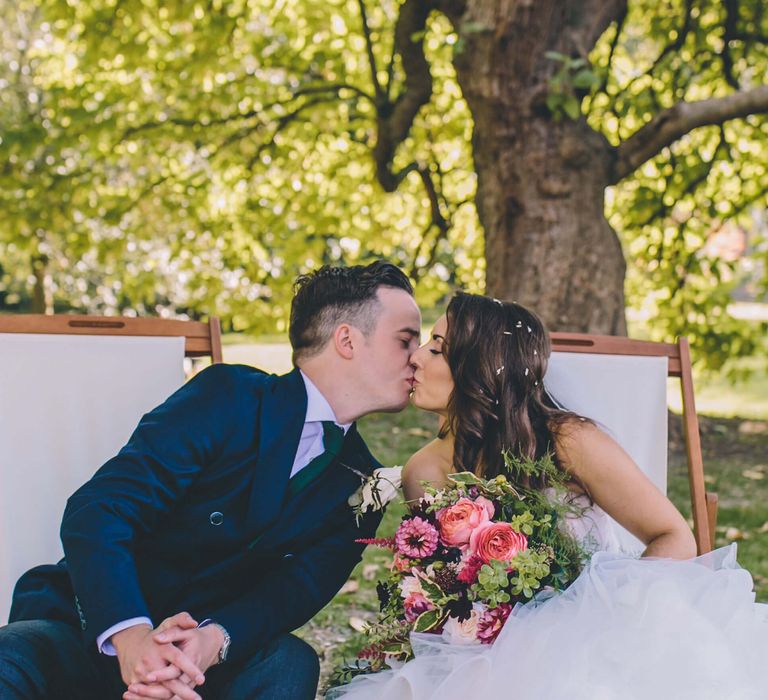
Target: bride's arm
[620, 488]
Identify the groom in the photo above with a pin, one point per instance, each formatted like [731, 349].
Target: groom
[223, 524]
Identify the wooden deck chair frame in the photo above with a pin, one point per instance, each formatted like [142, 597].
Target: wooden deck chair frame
[703, 504]
[201, 339]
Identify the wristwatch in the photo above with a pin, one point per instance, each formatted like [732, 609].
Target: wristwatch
[224, 649]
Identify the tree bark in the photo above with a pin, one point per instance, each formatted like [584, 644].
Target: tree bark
[541, 182]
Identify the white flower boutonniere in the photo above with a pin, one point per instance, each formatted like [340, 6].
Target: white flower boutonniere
[376, 491]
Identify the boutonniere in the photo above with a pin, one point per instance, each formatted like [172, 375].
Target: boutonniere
[376, 491]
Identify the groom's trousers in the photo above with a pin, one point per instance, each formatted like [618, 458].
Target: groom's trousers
[46, 660]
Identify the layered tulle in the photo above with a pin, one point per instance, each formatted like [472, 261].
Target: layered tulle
[627, 628]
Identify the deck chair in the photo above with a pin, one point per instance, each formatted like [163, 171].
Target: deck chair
[622, 384]
[72, 389]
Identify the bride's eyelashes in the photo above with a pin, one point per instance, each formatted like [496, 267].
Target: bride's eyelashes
[436, 352]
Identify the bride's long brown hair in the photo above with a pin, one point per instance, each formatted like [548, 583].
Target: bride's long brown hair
[498, 354]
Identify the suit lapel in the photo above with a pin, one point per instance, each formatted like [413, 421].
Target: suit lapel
[281, 420]
[312, 505]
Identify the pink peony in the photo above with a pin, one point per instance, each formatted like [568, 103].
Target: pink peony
[416, 604]
[459, 520]
[416, 538]
[491, 622]
[496, 541]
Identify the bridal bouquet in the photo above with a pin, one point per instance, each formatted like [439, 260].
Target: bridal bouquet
[465, 555]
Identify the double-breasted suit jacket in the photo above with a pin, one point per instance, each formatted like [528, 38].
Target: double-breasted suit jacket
[194, 514]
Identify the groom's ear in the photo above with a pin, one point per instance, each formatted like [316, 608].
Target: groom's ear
[344, 340]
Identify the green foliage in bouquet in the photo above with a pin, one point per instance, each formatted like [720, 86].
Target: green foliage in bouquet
[475, 547]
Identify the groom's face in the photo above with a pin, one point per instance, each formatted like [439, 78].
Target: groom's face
[385, 367]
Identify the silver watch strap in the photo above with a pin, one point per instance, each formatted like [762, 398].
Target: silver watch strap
[224, 649]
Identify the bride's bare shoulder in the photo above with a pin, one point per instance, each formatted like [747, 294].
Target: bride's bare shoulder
[432, 463]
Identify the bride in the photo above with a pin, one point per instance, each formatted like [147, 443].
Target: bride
[663, 626]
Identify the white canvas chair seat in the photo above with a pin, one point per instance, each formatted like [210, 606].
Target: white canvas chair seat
[68, 403]
[622, 385]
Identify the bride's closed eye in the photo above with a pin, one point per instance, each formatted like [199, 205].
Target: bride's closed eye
[436, 352]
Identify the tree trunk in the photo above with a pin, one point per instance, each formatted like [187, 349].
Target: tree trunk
[541, 182]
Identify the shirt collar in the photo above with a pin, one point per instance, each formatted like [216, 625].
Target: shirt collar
[318, 408]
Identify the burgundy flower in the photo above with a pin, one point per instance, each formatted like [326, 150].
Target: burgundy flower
[416, 538]
[491, 622]
[470, 570]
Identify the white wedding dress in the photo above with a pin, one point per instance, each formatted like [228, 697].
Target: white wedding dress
[627, 628]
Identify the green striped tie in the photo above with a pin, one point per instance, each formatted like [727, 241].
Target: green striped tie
[333, 437]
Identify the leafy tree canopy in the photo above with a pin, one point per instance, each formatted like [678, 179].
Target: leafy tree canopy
[196, 156]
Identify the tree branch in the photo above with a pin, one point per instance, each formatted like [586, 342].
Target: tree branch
[191, 122]
[452, 9]
[675, 45]
[673, 123]
[620, 21]
[283, 122]
[731, 20]
[395, 119]
[599, 15]
[369, 48]
[437, 220]
[749, 37]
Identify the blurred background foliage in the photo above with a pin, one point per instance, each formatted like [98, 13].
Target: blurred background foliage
[191, 158]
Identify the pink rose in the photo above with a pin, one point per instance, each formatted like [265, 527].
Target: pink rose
[496, 541]
[459, 520]
[416, 604]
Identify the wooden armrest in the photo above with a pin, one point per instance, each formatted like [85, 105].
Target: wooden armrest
[712, 500]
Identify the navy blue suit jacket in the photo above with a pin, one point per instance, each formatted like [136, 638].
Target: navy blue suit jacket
[193, 514]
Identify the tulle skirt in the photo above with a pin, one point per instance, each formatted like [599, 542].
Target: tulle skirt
[627, 628]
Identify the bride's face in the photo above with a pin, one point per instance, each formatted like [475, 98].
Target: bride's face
[433, 383]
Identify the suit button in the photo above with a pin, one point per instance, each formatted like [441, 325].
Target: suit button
[216, 518]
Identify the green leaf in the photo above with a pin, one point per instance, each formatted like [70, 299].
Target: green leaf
[428, 620]
[474, 28]
[432, 591]
[466, 478]
[556, 56]
[585, 79]
[571, 107]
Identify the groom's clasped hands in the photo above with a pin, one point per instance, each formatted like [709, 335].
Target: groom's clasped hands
[168, 661]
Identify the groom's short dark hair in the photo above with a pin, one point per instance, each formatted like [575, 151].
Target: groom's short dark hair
[332, 295]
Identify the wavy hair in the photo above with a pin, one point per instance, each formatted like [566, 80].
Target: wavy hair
[498, 354]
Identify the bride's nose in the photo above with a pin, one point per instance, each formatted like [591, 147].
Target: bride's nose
[415, 358]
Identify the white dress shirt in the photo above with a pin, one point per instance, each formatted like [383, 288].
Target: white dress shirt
[310, 446]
